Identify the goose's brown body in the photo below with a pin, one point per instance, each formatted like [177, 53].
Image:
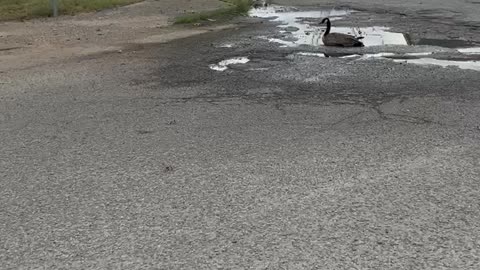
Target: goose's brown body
[338, 39]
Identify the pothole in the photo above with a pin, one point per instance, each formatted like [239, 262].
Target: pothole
[462, 61]
[303, 27]
[465, 61]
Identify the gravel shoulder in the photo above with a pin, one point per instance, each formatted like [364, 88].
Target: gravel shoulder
[37, 41]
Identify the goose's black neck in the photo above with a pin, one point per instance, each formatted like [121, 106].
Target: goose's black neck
[329, 25]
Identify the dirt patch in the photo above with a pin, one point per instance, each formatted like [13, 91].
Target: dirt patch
[55, 38]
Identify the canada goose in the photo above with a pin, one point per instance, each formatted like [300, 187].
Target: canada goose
[337, 39]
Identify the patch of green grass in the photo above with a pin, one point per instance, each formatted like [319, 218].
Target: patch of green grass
[25, 9]
[235, 8]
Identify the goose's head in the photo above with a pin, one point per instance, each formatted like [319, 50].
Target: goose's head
[325, 20]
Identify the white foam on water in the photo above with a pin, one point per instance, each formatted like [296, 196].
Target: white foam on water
[223, 65]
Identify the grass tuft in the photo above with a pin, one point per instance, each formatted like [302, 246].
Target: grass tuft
[236, 8]
[27, 9]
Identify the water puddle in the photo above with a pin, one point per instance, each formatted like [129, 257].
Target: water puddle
[223, 65]
[304, 28]
[312, 54]
[418, 58]
[446, 43]
[473, 65]
[474, 50]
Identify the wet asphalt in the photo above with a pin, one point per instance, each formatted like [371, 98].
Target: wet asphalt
[149, 159]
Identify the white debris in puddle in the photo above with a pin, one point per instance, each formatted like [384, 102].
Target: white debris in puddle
[223, 65]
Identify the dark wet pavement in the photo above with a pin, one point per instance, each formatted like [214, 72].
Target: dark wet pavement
[151, 159]
[301, 28]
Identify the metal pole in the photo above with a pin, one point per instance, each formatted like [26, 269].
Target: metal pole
[54, 4]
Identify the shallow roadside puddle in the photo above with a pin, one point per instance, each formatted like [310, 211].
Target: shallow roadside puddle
[298, 28]
[418, 58]
[427, 58]
[473, 50]
[399, 58]
[304, 28]
[472, 65]
[446, 43]
[224, 64]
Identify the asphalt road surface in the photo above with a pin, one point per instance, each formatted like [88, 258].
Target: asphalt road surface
[150, 159]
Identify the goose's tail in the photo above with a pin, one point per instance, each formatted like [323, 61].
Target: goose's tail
[358, 44]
